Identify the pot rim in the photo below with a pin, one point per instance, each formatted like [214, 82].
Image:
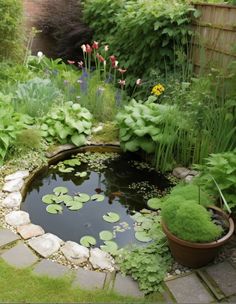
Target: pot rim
[213, 244]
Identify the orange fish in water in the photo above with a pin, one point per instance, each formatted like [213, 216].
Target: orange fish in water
[118, 193]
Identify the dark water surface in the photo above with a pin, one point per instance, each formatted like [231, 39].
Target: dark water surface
[114, 183]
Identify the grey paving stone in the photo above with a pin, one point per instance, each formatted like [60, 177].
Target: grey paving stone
[50, 269]
[189, 289]
[7, 237]
[127, 286]
[224, 274]
[87, 279]
[19, 256]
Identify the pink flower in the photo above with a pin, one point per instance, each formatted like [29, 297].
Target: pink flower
[80, 64]
[83, 47]
[138, 82]
[122, 71]
[106, 48]
[95, 45]
[88, 48]
[100, 58]
[71, 61]
[122, 82]
[112, 58]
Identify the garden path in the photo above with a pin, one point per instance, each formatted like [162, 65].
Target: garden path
[213, 283]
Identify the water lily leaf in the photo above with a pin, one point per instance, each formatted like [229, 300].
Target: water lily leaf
[81, 174]
[147, 224]
[110, 247]
[72, 162]
[106, 235]
[64, 198]
[65, 170]
[111, 217]
[70, 202]
[54, 209]
[60, 190]
[82, 197]
[88, 241]
[49, 198]
[98, 197]
[76, 205]
[142, 236]
[154, 203]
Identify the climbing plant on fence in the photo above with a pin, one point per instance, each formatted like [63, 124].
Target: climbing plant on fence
[154, 32]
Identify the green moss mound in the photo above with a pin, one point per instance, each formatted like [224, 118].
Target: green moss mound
[190, 222]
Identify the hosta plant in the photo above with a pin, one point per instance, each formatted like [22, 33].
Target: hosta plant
[69, 123]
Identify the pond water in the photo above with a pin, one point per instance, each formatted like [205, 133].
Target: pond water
[124, 182]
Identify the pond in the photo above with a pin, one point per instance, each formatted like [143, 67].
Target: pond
[104, 189]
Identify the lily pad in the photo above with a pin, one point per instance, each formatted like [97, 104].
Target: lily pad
[98, 197]
[142, 236]
[111, 217]
[82, 197]
[110, 247]
[88, 241]
[60, 190]
[76, 205]
[54, 208]
[65, 170]
[72, 162]
[81, 174]
[106, 235]
[154, 203]
[65, 198]
[49, 199]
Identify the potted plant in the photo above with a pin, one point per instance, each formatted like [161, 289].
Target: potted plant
[195, 229]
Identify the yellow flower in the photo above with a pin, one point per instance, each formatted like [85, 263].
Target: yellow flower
[158, 89]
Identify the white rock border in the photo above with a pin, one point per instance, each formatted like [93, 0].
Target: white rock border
[47, 245]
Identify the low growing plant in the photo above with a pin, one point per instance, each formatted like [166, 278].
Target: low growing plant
[147, 265]
[190, 221]
[68, 123]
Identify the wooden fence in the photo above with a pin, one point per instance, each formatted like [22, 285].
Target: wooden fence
[214, 44]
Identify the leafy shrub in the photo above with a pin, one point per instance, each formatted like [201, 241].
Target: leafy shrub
[222, 167]
[28, 139]
[147, 265]
[69, 123]
[153, 128]
[10, 29]
[11, 124]
[151, 30]
[35, 97]
[189, 221]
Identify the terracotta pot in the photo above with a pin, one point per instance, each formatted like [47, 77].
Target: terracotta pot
[196, 255]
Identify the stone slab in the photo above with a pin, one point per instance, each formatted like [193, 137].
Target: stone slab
[50, 269]
[17, 218]
[19, 256]
[30, 230]
[17, 175]
[224, 274]
[90, 280]
[13, 185]
[46, 244]
[126, 286]
[7, 237]
[189, 289]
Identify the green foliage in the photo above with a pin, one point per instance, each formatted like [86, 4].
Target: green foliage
[35, 97]
[208, 104]
[222, 167]
[28, 139]
[10, 29]
[152, 31]
[69, 123]
[11, 124]
[148, 265]
[189, 221]
[153, 128]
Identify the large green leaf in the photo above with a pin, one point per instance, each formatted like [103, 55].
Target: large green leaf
[106, 235]
[76, 205]
[110, 247]
[98, 197]
[155, 203]
[111, 217]
[49, 198]
[82, 197]
[78, 139]
[54, 209]
[88, 241]
[60, 190]
[142, 236]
